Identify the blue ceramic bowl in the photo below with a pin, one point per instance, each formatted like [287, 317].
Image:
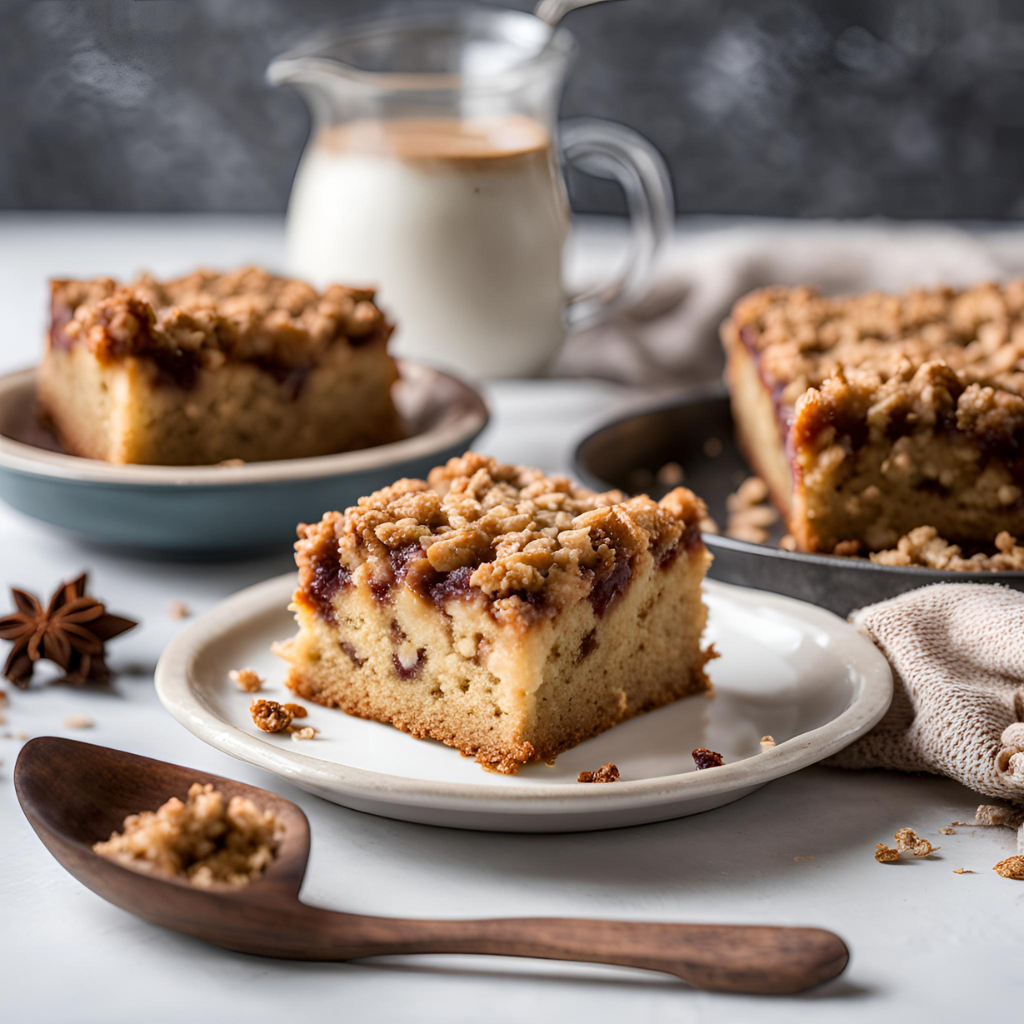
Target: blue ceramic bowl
[221, 510]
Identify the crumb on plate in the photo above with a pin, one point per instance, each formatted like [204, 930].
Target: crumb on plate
[606, 773]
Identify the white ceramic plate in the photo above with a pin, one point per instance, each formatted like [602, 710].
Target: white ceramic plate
[787, 669]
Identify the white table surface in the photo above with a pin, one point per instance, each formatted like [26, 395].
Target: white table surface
[925, 941]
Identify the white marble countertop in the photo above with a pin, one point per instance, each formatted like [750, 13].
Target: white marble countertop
[926, 942]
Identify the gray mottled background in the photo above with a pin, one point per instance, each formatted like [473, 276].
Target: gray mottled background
[910, 108]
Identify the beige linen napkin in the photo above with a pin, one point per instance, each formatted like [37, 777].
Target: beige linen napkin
[957, 657]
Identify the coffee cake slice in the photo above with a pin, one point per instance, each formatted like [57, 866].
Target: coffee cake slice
[503, 612]
[873, 415]
[211, 367]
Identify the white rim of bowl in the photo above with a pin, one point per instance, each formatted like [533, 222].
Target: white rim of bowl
[173, 686]
[29, 459]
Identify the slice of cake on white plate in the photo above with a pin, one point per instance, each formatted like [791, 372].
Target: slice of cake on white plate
[504, 612]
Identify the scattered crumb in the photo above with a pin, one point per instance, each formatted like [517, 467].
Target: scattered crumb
[551, 763]
[206, 838]
[670, 475]
[947, 831]
[847, 549]
[178, 610]
[606, 773]
[962, 871]
[246, 679]
[79, 722]
[712, 447]
[908, 841]
[808, 857]
[925, 547]
[3, 697]
[270, 716]
[993, 814]
[297, 710]
[232, 462]
[306, 732]
[767, 742]
[1012, 867]
[884, 855]
[753, 491]
[15, 736]
[3, 720]
[749, 516]
[788, 542]
[704, 758]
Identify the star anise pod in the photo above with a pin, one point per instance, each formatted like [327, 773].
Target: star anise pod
[71, 632]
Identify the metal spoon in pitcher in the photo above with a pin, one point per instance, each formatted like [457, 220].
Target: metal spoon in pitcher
[553, 11]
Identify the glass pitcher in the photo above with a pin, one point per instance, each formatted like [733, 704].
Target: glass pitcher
[433, 172]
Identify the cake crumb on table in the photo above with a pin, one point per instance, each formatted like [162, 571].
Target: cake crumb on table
[270, 716]
[79, 722]
[246, 679]
[962, 871]
[205, 838]
[886, 855]
[994, 814]
[297, 710]
[908, 841]
[1011, 867]
[767, 742]
[305, 732]
[947, 830]
[178, 610]
[606, 773]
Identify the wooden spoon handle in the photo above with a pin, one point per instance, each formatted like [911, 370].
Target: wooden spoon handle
[730, 958]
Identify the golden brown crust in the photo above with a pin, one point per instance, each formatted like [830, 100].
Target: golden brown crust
[245, 315]
[521, 534]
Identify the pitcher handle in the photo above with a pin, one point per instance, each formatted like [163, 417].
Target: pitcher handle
[609, 150]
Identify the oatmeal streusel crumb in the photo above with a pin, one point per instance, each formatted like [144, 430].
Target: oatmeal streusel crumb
[1011, 867]
[246, 679]
[306, 732]
[517, 532]
[973, 337]
[908, 841]
[270, 716]
[297, 710]
[246, 314]
[767, 742]
[79, 722]
[924, 547]
[962, 871]
[947, 831]
[205, 838]
[606, 773]
[178, 610]
[885, 854]
[704, 758]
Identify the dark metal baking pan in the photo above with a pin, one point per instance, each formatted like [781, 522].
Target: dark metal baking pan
[628, 452]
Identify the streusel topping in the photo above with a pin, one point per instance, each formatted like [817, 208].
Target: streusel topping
[246, 314]
[206, 838]
[511, 532]
[926, 352]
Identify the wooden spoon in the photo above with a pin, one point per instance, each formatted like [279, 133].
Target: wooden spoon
[76, 793]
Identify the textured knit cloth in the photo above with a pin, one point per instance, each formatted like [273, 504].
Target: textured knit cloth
[957, 656]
